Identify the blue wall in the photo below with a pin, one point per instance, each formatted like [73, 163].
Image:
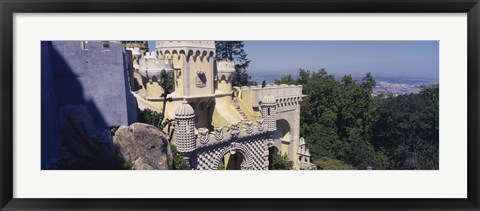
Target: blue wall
[96, 78]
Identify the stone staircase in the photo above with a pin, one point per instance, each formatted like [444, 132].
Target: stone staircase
[244, 117]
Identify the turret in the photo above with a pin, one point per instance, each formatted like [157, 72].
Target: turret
[150, 66]
[225, 74]
[269, 112]
[185, 128]
[193, 62]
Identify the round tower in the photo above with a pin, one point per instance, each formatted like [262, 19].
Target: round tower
[225, 74]
[269, 112]
[185, 128]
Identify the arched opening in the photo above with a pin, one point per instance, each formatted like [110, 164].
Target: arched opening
[283, 130]
[272, 152]
[232, 161]
[283, 134]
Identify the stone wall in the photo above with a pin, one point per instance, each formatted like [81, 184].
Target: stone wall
[93, 75]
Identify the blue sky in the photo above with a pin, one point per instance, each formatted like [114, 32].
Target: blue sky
[412, 59]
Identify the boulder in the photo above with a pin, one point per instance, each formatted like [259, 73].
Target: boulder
[144, 146]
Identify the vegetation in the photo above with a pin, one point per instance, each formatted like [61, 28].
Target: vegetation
[178, 162]
[278, 161]
[233, 50]
[326, 163]
[345, 126]
[166, 82]
[154, 118]
[221, 166]
[408, 130]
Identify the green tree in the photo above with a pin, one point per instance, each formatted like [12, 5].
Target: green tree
[326, 163]
[408, 129]
[337, 118]
[152, 117]
[361, 153]
[233, 50]
[278, 161]
[179, 163]
[286, 80]
[166, 82]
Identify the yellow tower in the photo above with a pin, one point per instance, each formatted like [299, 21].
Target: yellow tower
[193, 62]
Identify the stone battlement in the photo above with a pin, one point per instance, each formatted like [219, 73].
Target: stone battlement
[162, 44]
[282, 93]
[150, 66]
[243, 129]
[191, 49]
[136, 52]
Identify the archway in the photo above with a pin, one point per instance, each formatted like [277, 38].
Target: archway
[233, 161]
[283, 130]
[283, 134]
[233, 157]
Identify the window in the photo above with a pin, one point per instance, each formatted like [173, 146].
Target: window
[268, 112]
[83, 45]
[105, 45]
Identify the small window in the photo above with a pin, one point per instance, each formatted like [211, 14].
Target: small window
[105, 45]
[83, 45]
[268, 112]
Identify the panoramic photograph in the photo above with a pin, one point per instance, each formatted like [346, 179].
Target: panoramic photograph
[239, 105]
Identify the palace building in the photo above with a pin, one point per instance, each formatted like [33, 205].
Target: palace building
[215, 123]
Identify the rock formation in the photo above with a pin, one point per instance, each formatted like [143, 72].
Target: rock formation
[144, 146]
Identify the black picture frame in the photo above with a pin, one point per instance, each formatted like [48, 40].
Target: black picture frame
[9, 7]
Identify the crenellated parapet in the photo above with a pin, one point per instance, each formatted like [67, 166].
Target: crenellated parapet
[151, 66]
[192, 50]
[240, 130]
[285, 95]
[225, 70]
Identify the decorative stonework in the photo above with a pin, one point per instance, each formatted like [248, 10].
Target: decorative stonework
[201, 79]
[203, 135]
[253, 152]
[248, 127]
[218, 133]
[234, 129]
[260, 125]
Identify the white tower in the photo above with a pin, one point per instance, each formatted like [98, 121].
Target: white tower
[269, 112]
[225, 74]
[185, 128]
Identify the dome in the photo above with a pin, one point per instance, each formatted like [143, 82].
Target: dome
[184, 110]
[268, 99]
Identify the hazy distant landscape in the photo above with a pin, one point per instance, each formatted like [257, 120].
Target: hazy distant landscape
[385, 85]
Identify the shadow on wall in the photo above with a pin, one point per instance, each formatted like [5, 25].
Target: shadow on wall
[84, 92]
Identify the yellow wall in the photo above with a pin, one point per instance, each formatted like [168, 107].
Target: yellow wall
[154, 89]
[224, 86]
[179, 75]
[284, 149]
[207, 67]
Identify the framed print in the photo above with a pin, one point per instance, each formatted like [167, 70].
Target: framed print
[320, 105]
